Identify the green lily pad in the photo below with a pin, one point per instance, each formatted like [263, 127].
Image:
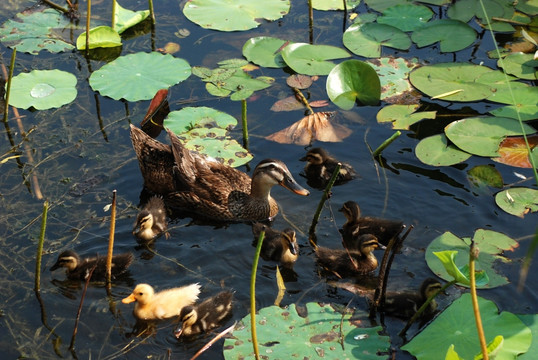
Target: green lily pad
[43, 89]
[529, 7]
[403, 116]
[460, 273]
[353, 80]
[435, 150]
[482, 135]
[283, 334]
[366, 39]
[406, 17]
[32, 32]
[452, 35]
[139, 76]
[205, 130]
[491, 244]
[526, 106]
[382, 5]
[394, 77]
[518, 201]
[334, 4]
[312, 59]
[482, 176]
[237, 15]
[521, 65]
[531, 320]
[100, 37]
[263, 50]
[126, 18]
[456, 325]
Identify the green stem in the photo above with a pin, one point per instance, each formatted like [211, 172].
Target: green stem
[386, 143]
[253, 296]
[40, 245]
[244, 121]
[8, 88]
[88, 15]
[55, 6]
[473, 255]
[151, 12]
[113, 26]
[111, 239]
[324, 198]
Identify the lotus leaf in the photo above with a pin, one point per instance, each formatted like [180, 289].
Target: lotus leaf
[435, 150]
[139, 76]
[521, 65]
[100, 37]
[394, 77]
[531, 320]
[263, 50]
[334, 4]
[456, 325]
[234, 15]
[529, 7]
[126, 18]
[382, 5]
[43, 89]
[403, 116]
[518, 201]
[366, 39]
[312, 59]
[406, 17]
[453, 35]
[283, 334]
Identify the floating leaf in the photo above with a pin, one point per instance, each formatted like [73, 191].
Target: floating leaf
[518, 201]
[366, 39]
[299, 81]
[435, 150]
[334, 4]
[353, 80]
[485, 175]
[100, 37]
[521, 65]
[403, 116]
[287, 104]
[531, 320]
[234, 15]
[453, 35]
[126, 18]
[456, 325]
[482, 135]
[312, 59]
[460, 274]
[513, 151]
[406, 17]
[394, 77]
[491, 244]
[43, 89]
[139, 76]
[382, 5]
[264, 51]
[312, 127]
[283, 334]
[32, 32]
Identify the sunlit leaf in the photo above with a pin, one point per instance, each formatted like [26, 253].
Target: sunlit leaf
[521, 65]
[366, 39]
[406, 17]
[312, 59]
[394, 78]
[452, 35]
[126, 18]
[334, 4]
[264, 51]
[403, 116]
[460, 274]
[518, 201]
[100, 37]
[435, 150]
[513, 151]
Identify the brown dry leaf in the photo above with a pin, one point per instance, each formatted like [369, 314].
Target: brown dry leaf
[513, 151]
[319, 103]
[287, 104]
[312, 127]
[299, 81]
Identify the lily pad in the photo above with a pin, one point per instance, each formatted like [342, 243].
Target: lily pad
[406, 17]
[403, 116]
[264, 51]
[32, 32]
[366, 39]
[237, 15]
[43, 89]
[283, 334]
[531, 320]
[334, 4]
[522, 102]
[456, 325]
[382, 5]
[452, 35]
[394, 77]
[492, 245]
[518, 201]
[353, 80]
[312, 59]
[435, 150]
[482, 135]
[513, 151]
[139, 76]
[100, 37]
[126, 18]
[521, 65]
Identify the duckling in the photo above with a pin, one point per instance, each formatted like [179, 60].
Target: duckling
[78, 269]
[358, 260]
[209, 314]
[151, 220]
[202, 185]
[383, 229]
[164, 304]
[320, 167]
[277, 245]
[406, 304]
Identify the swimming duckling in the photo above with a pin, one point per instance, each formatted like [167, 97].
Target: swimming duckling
[320, 167]
[405, 304]
[78, 269]
[209, 314]
[357, 260]
[383, 229]
[277, 245]
[164, 304]
[151, 220]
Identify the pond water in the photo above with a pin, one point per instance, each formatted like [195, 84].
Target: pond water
[82, 152]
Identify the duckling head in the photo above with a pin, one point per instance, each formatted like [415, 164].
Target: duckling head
[67, 259]
[351, 210]
[271, 172]
[368, 243]
[141, 293]
[143, 226]
[429, 287]
[289, 241]
[315, 156]
[187, 318]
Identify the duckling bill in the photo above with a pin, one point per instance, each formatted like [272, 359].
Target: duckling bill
[320, 166]
[151, 220]
[78, 269]
[277, 245]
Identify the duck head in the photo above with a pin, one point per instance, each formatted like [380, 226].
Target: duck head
[271, 172]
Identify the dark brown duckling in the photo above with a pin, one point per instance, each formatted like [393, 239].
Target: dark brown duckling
[404, 304]
[277, 245]
[383, 229]
[357, 260]
[209, 314]
[78, 269]
[151, 220]
[320, 166]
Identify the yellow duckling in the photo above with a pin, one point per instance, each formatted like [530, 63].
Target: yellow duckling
[151, 220]
[320, 166]
[207, 315]
[277, 245]
[78, 269]
[162, 305]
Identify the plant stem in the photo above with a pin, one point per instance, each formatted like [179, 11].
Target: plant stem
[55, 6]
[88, 15]
[244, 122]
[303, 100]
[151, 11]
[40, 245]
[324, 197]
[113, 25]
[8, 87]
[386, 143]
[253, 295]
[473, 255]
[75, 329]
[111, 239]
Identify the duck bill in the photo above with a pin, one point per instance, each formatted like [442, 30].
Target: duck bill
[178, 331]
[381, 246]
[293, 249]
[292, 185]
[129, 299]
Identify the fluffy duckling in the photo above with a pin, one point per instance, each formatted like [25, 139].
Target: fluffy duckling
[358, 260]
[209, 314]
[320, 166]
[151, 220]
[383, 229]
[78, 269]
[405, 304]
[277, 245]
[164, 304]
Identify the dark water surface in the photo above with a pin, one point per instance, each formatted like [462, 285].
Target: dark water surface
[80, 162]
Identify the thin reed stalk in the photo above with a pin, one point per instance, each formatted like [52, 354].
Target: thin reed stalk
[324, 198]
[75, 329]
[244, 122]
[473, 255]
[8, 87]
[40, 246]
[111, 239]
[151, 11]
[113, 25]
[88, 15]
[254, 336]
[386, 143]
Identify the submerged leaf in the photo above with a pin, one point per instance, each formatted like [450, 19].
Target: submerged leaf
[485, 175]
